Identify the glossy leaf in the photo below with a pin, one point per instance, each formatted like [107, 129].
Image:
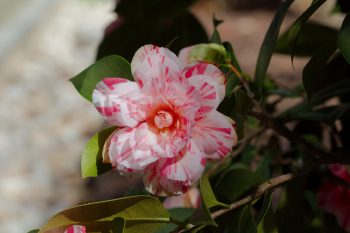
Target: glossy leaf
[232, 80]
[139, 212]
[92, 163]
[296, 28]
[308, 41]
[268, 223]
[118, 225]
[180, 215]
[236, 183]
[246, 222]
[269, 43]
[111, 66]
[336, 89]
[315, 74]
[215, 38]
[344, 38]
[202, 215]
[207, 193]
[264, 208]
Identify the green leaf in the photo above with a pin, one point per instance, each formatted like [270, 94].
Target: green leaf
[92, 163]
[265, 207]
[202, 215]
[315, 73]
[246, 222]
[306, 43]
[269, 43]
[248, 154]
[118, 225]
[207, 193]
[179, 215]
[338, 111]
[296, 28]
[344, 38]
[111, 66]
[34, 231]
[268, 223]
[235, 183]
[335, 89]
[215, 38]
[140, 213]
[232, 55]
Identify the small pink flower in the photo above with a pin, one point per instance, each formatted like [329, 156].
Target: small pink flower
[335, 198]
[75, 229]
[168, 119]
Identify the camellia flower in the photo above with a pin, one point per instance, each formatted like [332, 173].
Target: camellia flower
[169, 125]
[75, 229]
[335, 198]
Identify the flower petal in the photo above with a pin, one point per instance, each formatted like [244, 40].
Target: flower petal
[190, 199]
[155, 69]
[215, 134]
[175, 175]
[132, 148]
[75, 229]
[340, 171]
[211, 71]
[120, 102]
[334, 198]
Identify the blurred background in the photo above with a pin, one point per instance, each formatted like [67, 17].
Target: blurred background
[44, 123]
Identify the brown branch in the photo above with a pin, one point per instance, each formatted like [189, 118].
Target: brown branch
[259, 191]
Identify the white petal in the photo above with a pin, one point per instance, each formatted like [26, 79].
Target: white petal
[120, 102]
[215, 134]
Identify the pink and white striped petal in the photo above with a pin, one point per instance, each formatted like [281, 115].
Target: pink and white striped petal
[132, 148]
[211, 71]
[161, 186]
[175, 175]
[190, 199]
[156, 71]
[205, 92]
[120, 102]
[141, 53]
[215, 134]
[75, 229]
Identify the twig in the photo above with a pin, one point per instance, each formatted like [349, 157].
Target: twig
[320, 155]
[259, 191]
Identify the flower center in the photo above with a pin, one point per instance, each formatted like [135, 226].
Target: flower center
[163, 119]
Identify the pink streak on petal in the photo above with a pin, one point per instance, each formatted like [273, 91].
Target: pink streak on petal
[76, 229]
[120, 101]
[173, 176]
[211, 71]
[214, 132]
[132, 149]
[110, 82]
